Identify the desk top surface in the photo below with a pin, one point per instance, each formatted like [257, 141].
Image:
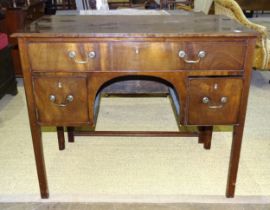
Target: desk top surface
[167, 25]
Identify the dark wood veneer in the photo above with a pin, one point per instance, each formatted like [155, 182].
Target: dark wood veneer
[254, 5]
[125, 47]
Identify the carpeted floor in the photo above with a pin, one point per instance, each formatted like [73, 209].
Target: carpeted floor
[114, 169]
[131, 206]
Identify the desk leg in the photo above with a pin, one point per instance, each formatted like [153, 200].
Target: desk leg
[40, 163]
[205, 136]
[70, 131]
[61, 138]
[234, 160]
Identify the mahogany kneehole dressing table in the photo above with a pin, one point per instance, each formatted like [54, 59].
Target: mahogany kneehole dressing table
[205, 60]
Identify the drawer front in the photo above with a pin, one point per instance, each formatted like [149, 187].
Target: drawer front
[64, 56]
[166, 56]
[213, 55]
[213, 101]
[145, 56]
[61, 100]
[136, 56]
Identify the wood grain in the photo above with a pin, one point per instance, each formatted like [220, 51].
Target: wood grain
[143, 56]
[199, 113]
[193, 24]
[50, 112]
[137, 48]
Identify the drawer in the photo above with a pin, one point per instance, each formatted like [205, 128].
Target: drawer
[61, 100]
[213, 101]
[64, 56]
[144, 56]
[166, 56]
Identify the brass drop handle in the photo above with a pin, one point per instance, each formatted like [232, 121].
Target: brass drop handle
[72, 55]
[182, 54]
[223, 101]
[68, 100]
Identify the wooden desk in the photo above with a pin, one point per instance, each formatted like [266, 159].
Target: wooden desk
[68, 60]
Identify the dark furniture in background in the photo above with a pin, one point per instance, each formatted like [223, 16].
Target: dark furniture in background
[16, 18]
[254, 4]
[8, 84]
[52, 5]
[171, 4]
[249, 6]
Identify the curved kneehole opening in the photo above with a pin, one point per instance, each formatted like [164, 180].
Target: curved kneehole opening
[138, 86]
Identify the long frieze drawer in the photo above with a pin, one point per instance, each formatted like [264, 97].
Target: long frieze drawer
[136, 56]
[213, 101]
[61, 100]
[177, 55]
[65, 56]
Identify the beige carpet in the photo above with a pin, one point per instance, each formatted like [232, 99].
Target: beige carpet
[136, 169]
